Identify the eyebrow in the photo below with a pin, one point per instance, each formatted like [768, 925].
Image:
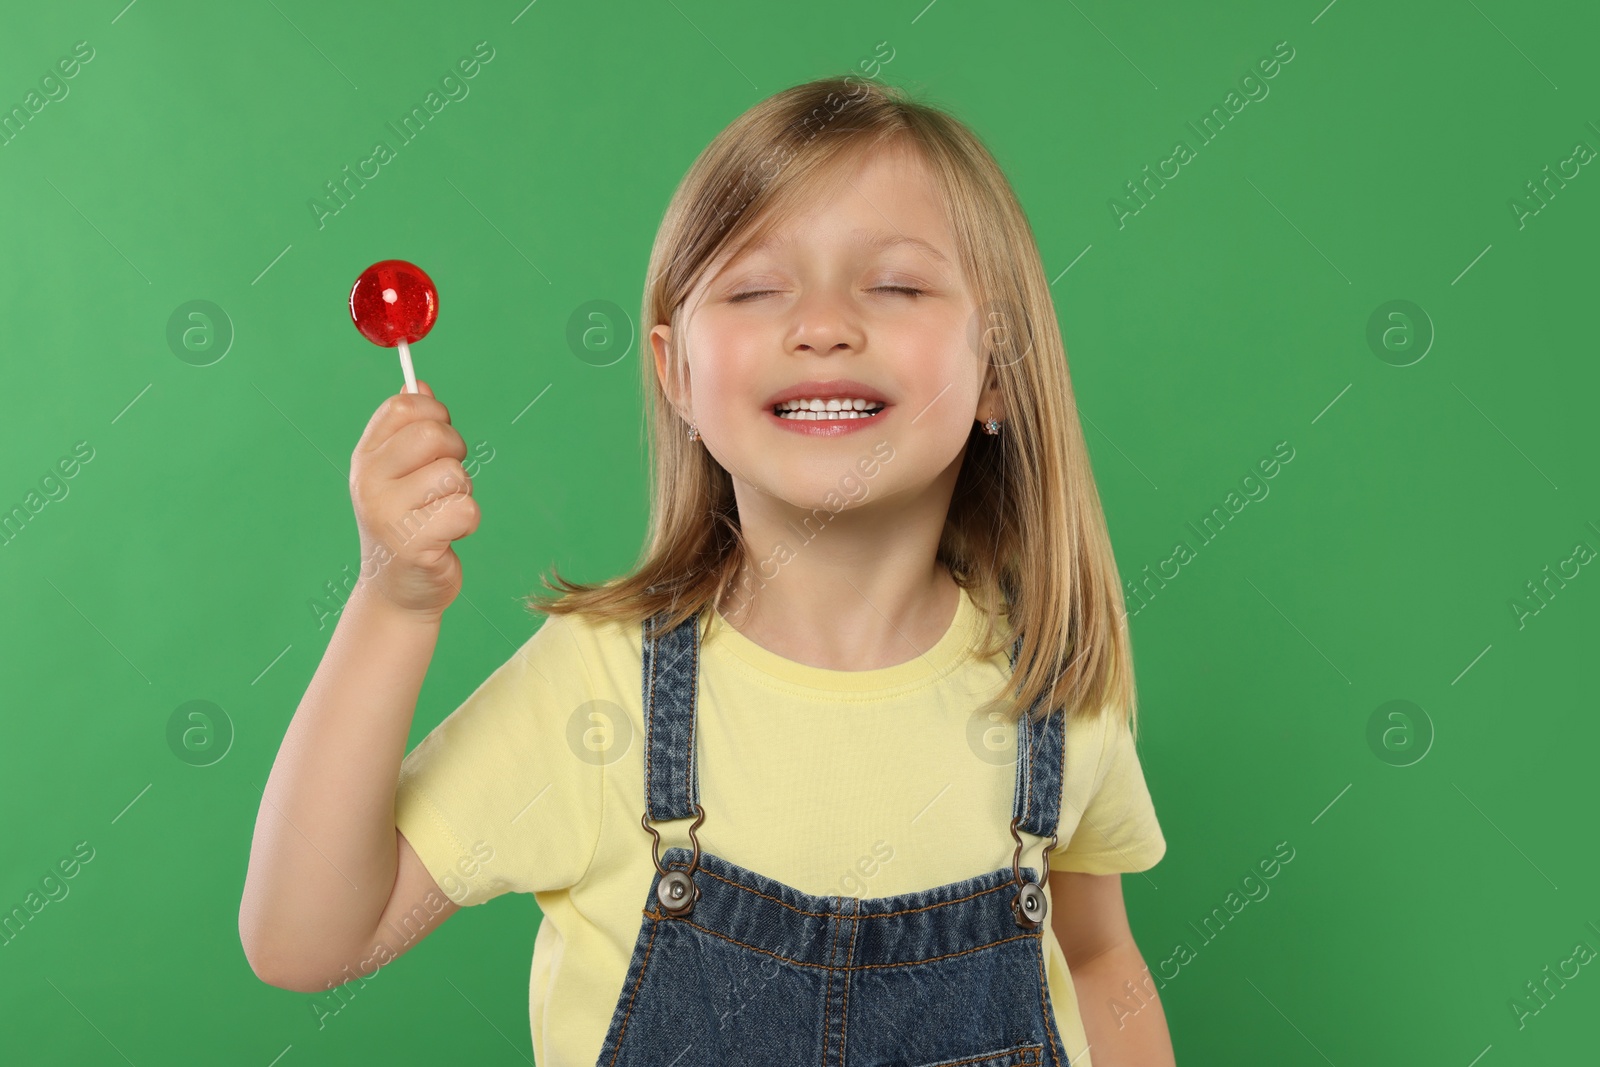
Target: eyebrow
[874, 239]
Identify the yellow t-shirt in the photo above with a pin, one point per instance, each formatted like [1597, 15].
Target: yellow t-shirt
[838, 783]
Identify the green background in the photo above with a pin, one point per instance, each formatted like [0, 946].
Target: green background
[1437, 869]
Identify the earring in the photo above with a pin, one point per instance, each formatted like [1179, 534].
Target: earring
[992, 427]
[694, 432]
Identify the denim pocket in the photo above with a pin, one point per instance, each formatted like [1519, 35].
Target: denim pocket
[1016, 1056]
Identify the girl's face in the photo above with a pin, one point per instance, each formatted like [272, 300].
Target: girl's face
[860, 298]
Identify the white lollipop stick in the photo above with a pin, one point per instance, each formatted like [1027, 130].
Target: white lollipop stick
[405, 365]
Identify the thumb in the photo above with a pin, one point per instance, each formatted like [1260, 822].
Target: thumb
[423, 388]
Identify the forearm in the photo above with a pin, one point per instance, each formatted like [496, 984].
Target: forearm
[323, 858]
[1121, 1011]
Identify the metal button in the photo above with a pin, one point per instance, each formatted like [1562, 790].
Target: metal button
[1029, 905]
[677, 892]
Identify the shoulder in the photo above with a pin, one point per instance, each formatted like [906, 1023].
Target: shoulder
[584, 636]
[575, 654]
[553, 667]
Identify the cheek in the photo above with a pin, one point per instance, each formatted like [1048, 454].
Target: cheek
[943, 384]
[724, 370]
[940, 363]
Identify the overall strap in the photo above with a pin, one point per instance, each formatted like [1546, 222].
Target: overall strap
[1041, 751]
[671, 676]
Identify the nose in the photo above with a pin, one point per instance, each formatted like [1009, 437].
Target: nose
[824, 323]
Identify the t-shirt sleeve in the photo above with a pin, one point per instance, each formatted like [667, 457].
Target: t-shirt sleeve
[495, 799]
[1118, 831]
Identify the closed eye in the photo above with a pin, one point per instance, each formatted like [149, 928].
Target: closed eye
[906, 289]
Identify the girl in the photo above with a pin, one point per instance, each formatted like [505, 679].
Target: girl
[876, 540]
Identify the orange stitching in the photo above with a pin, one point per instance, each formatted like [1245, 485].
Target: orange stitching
[1027, 795]
[636, 983]
[1025, 1051]
[827, 993]
[1061, 783]
[650, 720]
[946, 956]
[694, 689]
[830, 915]
[858, 966]
[1044, 1005]
[844, 1025]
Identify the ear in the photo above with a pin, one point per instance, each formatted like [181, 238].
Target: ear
[660, 344]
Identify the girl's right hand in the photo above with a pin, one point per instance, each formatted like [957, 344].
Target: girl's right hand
[412, 499]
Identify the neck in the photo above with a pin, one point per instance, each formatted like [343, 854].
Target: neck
[852, 590]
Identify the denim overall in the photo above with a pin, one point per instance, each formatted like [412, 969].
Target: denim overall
[733, 967]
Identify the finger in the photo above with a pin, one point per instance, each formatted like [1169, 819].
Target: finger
[453, 517]
[398, 411]
[440, 504]
[415, 445]
[441, 478]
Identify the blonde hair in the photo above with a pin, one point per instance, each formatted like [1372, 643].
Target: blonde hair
[1025, 535]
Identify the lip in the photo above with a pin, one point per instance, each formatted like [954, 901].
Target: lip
[828, 390]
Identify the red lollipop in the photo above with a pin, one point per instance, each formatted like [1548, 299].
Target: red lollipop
[393, 304]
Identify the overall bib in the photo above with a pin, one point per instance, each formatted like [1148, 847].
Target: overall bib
[733, 967]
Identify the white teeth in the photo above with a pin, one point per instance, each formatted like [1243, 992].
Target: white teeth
[812, 416]
[839, 404]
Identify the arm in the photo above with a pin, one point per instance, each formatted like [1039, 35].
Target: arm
[332, 883]
[330, 878]
[1122, 1016]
